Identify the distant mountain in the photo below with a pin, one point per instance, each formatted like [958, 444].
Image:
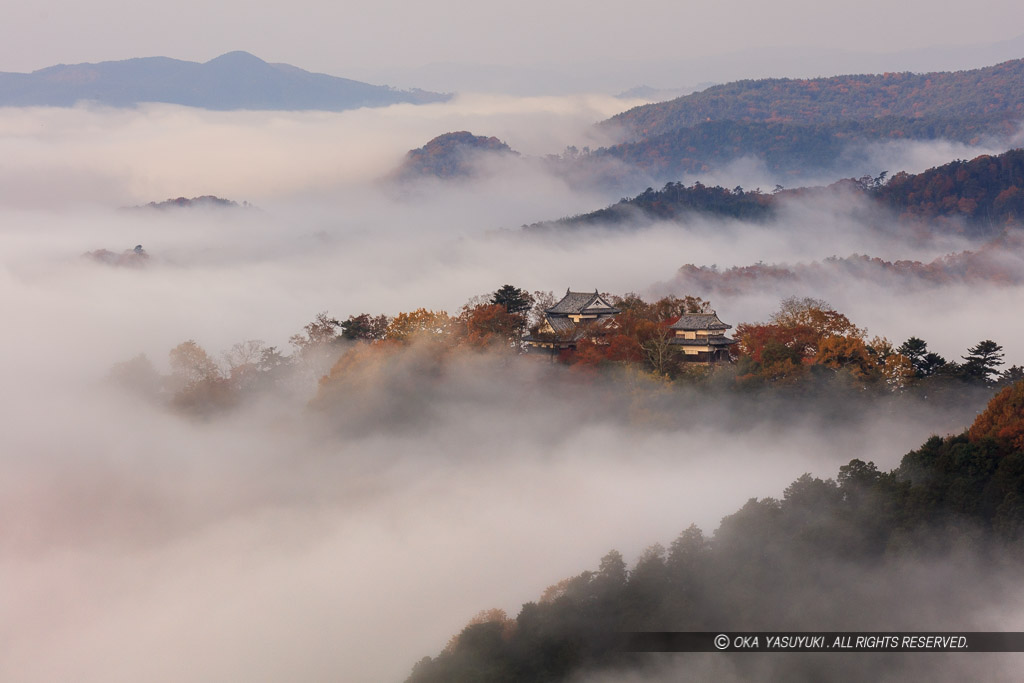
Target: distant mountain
[808, 127]
[999, 261]
[236, 80]
[977, 197]
[789, 150]
[206, 201]
[992, 93]
[452, 155]
[646, 92]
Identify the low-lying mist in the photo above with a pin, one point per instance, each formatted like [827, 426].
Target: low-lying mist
[347, 540]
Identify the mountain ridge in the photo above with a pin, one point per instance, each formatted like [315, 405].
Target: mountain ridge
[231, 81]
[854, 97]
[815, 127]
[976, 197]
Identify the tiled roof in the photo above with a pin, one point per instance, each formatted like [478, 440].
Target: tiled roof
[559, 324]
[574, 302]
[566, 330]
[699, 321]
[702, 341]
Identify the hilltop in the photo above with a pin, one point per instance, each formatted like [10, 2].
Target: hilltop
[208, 201]
[451, 155]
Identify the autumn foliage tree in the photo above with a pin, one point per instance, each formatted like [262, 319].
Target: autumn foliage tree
[364, 327]
[421, 323]
[1003, 419]
[491, 326]
[200, 387]
[808, 333]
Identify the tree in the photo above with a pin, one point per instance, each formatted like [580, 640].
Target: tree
[850, 354]
[243, 361]
[857, 475]
[541, 302]
[660, 354]
[1011, 375]
[272, 367]
[816, 314]
[137, 375]
[200, 388]
[1003, 418]
[364, 327]
[319, 333]
[514, 300]
[421, 322]
[982, 360]
[491, 325]
[318, 348]
[923, 361]
[191, 364]
[689, 548]
[612, 570]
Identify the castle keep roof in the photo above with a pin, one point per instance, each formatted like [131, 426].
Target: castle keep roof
[699, 321]
[585, 303]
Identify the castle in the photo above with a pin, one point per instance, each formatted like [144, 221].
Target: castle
[589, 315]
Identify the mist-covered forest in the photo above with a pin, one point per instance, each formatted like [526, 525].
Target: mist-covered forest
[931, 541]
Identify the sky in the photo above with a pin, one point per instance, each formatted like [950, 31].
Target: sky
[396, 38]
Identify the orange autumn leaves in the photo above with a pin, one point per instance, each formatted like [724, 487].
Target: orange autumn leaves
[1003, 419]
[808, 333]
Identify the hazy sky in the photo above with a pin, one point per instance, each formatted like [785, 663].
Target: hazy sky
[349, 38]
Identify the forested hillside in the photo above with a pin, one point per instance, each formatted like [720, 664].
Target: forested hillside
[986, 191]
[999, 261]
[806, 128]
[864, 551]
[794, 149]
[993, 93]
[451, 155]
[980, 196]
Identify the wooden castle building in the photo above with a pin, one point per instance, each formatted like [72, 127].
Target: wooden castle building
[589, 315]
[578, 316]
[702, 337]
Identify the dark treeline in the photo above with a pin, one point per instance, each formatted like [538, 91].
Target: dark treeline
[675, 200]
[920, 547]
[980, 196]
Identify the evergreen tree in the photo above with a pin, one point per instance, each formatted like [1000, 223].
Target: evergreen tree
[514, 300]
[982, 361]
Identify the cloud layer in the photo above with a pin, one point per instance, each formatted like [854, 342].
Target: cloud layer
[274, 544]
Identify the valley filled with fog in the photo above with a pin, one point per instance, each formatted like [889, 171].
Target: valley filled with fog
[345, 541]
